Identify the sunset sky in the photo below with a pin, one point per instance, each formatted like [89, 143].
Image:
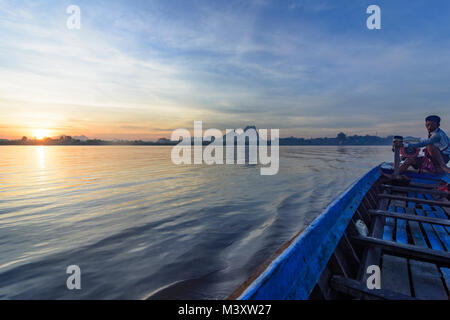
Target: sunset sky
[140, 69]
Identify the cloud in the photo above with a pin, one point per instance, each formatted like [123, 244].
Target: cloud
[164, 64]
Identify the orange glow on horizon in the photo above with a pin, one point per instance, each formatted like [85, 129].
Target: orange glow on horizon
[41, 133]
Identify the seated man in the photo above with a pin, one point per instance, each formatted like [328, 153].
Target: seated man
[437, 151]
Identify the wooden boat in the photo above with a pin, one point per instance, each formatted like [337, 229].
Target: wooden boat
[408, 238]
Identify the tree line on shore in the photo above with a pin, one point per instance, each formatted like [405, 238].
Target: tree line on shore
[340, 139]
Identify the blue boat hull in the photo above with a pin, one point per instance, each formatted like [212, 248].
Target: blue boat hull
[296, 271]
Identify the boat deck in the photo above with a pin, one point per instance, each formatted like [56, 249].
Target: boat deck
[405, 240]
[412, 277]
[409, 240]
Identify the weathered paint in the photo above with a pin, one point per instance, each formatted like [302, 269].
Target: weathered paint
[294, 273]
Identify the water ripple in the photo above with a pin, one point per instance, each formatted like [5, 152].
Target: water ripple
[141, 227]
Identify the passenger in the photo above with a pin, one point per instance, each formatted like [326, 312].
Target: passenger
[437, 152]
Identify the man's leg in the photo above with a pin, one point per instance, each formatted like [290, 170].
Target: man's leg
[407, 163]
[436, 156]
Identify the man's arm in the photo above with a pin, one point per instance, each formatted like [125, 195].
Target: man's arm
[434, 138]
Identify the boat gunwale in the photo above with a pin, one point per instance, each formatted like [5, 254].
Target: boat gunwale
[246, 292]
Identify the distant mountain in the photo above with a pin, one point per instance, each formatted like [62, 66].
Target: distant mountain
[237, 134]
[81, 138]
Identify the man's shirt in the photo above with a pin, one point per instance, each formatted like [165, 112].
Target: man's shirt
[437, 138]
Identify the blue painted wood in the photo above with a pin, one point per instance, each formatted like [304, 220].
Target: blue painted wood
[441, 213]
[416, 234]
[437, 212]
[411, 205]
[440, 230]
[430, 212]
[294, 273]
[423, 274]
[443, 235]
[445, 238]
[388, 230]
[425, 181]
[432, 237]
[401, 235]
[446, 178]
[446, 274]
[414, 226]
[429, 197]
[394, 270]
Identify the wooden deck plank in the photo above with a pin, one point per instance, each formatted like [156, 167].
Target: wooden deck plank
[441, 215]
[394, 270]
[446, 274]
[357, 289]
[421, 270]
[437, 212]
[414, 227]
[413, 217]
[431, 235]
[389, 226]
[440, 231]
[395, 274]
[417, 200]
[409, 189]
[427, 281]
[406, 250]
[411, 205]
[445, 239]
[401, 235]
[447, 210]
[426, 277]
[416, 234]
[424, 185]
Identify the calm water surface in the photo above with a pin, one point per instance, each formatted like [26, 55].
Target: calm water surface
[140, 227]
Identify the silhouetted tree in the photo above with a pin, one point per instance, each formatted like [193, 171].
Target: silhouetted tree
[341, 137]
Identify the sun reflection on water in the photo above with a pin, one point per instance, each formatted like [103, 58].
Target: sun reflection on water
[41, 156]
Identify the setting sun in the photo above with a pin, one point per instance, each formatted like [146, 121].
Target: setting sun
[41, 134]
